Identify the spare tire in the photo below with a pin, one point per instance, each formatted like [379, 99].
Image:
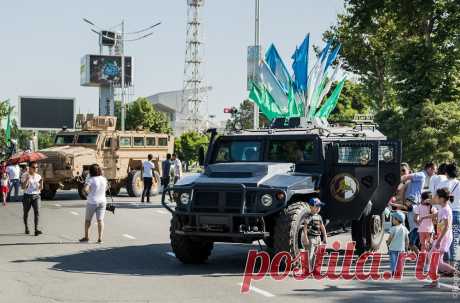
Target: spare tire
[134, 183]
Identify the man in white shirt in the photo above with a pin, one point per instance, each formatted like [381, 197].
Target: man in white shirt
[13, 174]
[32, 183]
[148, 174]
[430, 171]
[438, 179]
[177, 165]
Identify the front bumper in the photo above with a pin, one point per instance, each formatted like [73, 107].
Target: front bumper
[222, 215]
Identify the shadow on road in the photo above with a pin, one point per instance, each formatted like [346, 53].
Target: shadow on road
[149, 260]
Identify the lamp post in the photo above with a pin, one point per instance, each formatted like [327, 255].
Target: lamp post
[256, 43]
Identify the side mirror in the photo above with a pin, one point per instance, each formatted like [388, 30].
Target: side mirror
[201, 156]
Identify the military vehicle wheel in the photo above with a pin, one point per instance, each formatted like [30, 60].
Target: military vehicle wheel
[156, 184]
[81, 186]
[48, 194]
[187, 249]
[135, 183]
[368, 233]
[288, 229]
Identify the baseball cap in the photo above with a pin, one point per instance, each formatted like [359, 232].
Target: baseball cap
[398, 215]
[315, 202]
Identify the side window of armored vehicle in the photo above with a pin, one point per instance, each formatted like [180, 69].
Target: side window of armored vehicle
[290, 150]
[386, 153]
[63, 139]
[355, 155]
[238, 151]
[138, 141]
[108, 142]
[87, 139]
[163, 141]
[125, 141]
[150, 141]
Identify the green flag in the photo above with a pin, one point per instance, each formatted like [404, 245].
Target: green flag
[265, 101]
[331, 102]
[8, 126]
[293, 107]
[316, 94]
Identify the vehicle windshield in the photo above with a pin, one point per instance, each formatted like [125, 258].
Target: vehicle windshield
[87, 139]
[64, 139]
[279, 150]
[238, 151]
[290, 150]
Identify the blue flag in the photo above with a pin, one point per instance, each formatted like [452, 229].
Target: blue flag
[332, 56]
[278, 68]
[300, 65]
[325, 50]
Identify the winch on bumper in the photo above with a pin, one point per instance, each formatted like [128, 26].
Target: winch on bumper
[224, 211]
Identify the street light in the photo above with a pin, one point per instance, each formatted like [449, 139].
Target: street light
[120, 41]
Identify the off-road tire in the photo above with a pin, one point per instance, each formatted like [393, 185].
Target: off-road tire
[367, 235]
[189, 250]
[288, 228]
[81, 186]
[156, 184]
[133, 183]
[48, 194]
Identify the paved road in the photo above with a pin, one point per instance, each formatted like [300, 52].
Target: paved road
[135, 264]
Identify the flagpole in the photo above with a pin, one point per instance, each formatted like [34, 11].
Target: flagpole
[257, 43]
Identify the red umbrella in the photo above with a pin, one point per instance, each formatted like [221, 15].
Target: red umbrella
[26, 157]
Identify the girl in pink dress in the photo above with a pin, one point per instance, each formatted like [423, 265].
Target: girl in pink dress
[444, 234]
[423, 217]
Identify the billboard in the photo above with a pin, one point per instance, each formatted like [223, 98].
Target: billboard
[102, 70]
[46, 112]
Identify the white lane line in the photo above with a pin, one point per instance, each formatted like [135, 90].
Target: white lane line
[74, 213]
[449, 286]
[129, 236]
[163, 212]
[170, 253]
[259, 291]
[57, 204]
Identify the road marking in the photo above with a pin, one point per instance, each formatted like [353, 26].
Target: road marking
[163, 212]
[259, 291]
[449, 286]
[57, 204]
[129, 236]
[74, 213]
[170, 253]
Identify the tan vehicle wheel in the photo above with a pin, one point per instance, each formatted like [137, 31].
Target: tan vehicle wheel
[134, 183]
[156, 184]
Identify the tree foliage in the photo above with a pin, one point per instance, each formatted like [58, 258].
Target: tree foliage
[406, 55]
[186, 146]
[244, 116]
[142, 114]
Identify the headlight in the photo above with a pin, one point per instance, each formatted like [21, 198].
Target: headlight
[266, 200]
[184, 198]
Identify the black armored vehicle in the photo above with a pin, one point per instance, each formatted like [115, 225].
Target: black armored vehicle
[255, 184]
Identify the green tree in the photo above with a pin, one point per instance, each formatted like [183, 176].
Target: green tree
[141, 113]
[353, 100]
[245, 117]
[46, 139]
[187, 145]
[406, 54]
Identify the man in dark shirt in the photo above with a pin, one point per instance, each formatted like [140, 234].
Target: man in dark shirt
[165, 169]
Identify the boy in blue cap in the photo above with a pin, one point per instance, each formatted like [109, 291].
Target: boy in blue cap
[398, 240]
[314, 229]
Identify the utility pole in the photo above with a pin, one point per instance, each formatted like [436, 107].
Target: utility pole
[123, 103]
[257, 43]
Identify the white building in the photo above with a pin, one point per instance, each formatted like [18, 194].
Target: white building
[170, 103]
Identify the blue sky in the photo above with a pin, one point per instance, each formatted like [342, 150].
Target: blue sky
[42, 43]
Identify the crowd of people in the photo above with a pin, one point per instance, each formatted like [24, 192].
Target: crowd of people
[171, 172]
[426, 215]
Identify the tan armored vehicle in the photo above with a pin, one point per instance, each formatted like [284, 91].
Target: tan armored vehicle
[120, 154]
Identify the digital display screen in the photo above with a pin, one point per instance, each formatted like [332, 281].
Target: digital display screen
[37, 112]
